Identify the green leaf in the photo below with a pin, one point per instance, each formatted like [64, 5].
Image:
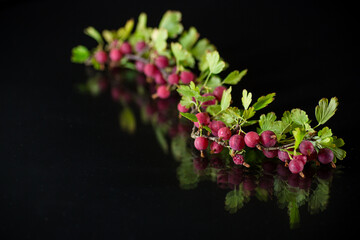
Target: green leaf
[266, 121]
[171, 22]
[249, 113]
[325, 110]
[95, 64]
[230, 116]
[213, 82]
[92, 32]
[263, 101]
[186, 91]
[108, 35]
[286, 118]
[201, 47]
[142, 32]
[80, 54]
[203, 65]
[234, 77]
[142, 21]
[205, 99]
[246, 99]
[226, 99]
[159, 37]
[249, 123]
[299, 135]
[207, 128]
[124, 32]
[325, 132]
[215, 64]
[190, 116]
[189, 38]
[182, 56]
[193, 86]
[338, 152]
[299, 116]
[279, 128]
[339, 142]
[213, 109]
[186, 101]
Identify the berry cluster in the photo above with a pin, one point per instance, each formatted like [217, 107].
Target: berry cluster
[167, 55]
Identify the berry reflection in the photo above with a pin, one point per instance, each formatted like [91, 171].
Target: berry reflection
[271, 177]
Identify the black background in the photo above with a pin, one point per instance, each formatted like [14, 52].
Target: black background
[68, 172]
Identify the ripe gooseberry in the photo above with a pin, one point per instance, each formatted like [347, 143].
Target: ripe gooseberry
[237, 142]
[163, 92]
[268, 138]
[224, 133]
[101, 56]
[252, 139]
[186, 77]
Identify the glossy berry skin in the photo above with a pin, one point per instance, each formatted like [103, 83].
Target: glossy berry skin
[218, 92]
[139, 46]
[216, 148]
[215, 126]
[186, 77]
[270, 153]
[182, 108]
[139, 66]
[159, 79]
[161, 62]
[283, 156]
[163, 92]
[115, 54]
[224, 133]
[325, 156]
[237, 142]
[150, 70]
[201, 143]
[252, 139]
[204, 118]
[173, 79]
[101, 56]
[125, 48]
[268, 138]
[301, 158]
[238, 159]
[306, 148]
[296, 166]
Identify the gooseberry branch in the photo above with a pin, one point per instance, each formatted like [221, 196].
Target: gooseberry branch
[175, 60]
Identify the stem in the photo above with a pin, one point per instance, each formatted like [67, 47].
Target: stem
[195, 134]
[207, 79]
[136, 58]
[141, 59]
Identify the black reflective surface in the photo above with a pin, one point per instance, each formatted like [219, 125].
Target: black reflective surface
[69, 171]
